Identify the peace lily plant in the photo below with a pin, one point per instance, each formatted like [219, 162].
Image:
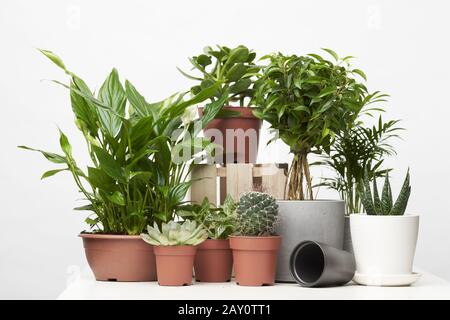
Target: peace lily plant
[134, 178]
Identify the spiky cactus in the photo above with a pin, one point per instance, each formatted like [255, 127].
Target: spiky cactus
[385, 206]
[256, 214]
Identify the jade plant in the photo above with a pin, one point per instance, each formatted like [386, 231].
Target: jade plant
[256, 214]
[357, 153]
[173, 233]
[132, 180]
[308, 100]
[385, 206]
[234, 68]
[219, 222]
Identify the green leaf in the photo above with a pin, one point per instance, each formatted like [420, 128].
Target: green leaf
[386, 196]
[204, 60]
[113, 96]
[326, 91]
[332, 53]
[403, 197]
[109, 164]
[188, 75]
[376, 198]
[117, 198]
[54, 58]
[142, 108]
[236, 72]
[88, 207]
[65, 145]
[240, 86]
[52, 173]
[360, 73]
[101, 180]
[52, 157]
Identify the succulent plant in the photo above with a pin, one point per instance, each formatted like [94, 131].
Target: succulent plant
[219, 222]
[175, 234]
[256, 214]
[385, 206]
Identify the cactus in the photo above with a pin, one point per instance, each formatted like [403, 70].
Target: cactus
[257, 214]
[175, 234]
[385, 206]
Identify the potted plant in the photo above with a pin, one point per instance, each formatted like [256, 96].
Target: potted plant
[132, 180]
[357, 152]
[235, 129]
[384, 239]
[214, 260]
[308, 100]
[175, 246]
[255, 243]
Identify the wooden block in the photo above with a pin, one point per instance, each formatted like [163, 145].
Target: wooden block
[239, 179]
[274, 180]
[205, 183]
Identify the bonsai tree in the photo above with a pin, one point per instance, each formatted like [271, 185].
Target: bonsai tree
[309, 100]
[356, 154]
[132, 180]
[233, 68]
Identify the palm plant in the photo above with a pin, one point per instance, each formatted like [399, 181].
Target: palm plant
[132, 181]
[356, 154]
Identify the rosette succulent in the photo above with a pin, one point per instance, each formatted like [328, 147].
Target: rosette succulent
[175, 234]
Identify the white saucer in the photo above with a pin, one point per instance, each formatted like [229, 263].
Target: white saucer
[386, 280]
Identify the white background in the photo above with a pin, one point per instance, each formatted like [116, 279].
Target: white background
[402, 45]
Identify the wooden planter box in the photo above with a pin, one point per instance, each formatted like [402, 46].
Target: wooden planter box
[216, 181]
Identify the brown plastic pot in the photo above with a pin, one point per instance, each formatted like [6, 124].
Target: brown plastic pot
[119, 257]
[213, 261]
[250, 126]
[255, 259]
[174, 264]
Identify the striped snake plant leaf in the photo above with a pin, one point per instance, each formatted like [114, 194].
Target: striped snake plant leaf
[386, 196]
[376, 198]
[403, 197]
[366, 198]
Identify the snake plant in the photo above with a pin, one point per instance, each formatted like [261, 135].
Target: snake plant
[374, 205]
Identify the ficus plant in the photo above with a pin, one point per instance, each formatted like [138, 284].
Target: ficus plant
[234, 68]
[309, 100]
[356, 154]
[132, 180]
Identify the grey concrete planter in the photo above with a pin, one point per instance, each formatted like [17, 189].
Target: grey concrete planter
[315, 220]
[348, 246]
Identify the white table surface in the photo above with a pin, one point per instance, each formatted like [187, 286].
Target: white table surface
[427, 287]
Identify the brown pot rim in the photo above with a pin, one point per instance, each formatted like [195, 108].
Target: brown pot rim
[255, 237]
[246, 112]
[109, 236]
[215, 244]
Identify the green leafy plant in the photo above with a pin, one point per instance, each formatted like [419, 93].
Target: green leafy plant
[218, 222]
[186, 233]
[234, 68]
[256, 214]
[132, 180]
[309, 100]
[374, 205]
[356, 153]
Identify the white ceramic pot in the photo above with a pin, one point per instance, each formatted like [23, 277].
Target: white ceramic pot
[384, 246]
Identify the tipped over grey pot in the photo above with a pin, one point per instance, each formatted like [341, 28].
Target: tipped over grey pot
[315, 220]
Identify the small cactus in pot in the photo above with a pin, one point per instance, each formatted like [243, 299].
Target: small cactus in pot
[257, 214]
[254, 244]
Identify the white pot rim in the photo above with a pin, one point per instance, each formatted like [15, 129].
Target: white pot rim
[367, 216]
[312, 201]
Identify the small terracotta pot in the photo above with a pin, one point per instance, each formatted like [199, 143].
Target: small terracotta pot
[119, 257]
[249, 137]
[174, 264]
[255, 259]
[213, 261]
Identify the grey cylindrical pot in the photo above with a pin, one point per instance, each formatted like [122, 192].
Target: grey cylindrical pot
[348, 246]
[316, 220]
[315, 264]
